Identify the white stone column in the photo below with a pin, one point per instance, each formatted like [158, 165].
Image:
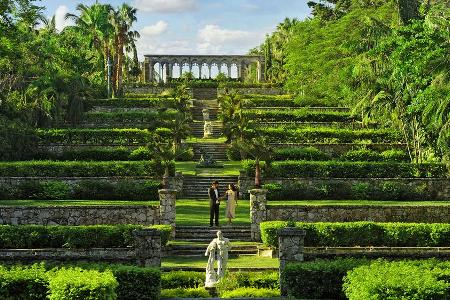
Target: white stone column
[258, 211]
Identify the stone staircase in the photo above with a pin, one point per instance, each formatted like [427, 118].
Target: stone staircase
[199, 105]
[196, 187]
[218, 151]
[198, 129]
[192, 241]
[204, 93]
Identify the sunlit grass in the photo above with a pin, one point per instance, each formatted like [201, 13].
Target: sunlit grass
[230, 168]
[242, 261]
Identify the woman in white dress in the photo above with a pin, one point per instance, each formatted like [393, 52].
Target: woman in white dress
[232, 197]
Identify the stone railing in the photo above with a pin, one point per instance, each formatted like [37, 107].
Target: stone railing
[439, 187]
[94, 215]
[291, 242]
[145, 252]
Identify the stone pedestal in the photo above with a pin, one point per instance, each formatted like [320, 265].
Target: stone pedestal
[147, 247]
[207, 129]
[291, 242]
[258, 211]
[167, 209]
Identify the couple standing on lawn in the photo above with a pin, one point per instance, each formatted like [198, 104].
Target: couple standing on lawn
[230, 196]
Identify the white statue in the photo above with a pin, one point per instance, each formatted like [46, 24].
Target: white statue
[217, 250]
[205, 113]
[207, 129]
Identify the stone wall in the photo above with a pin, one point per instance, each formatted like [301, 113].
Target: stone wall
[350, 213]
[156, 90]
[146, 252]
[79, 215]
[438, 187]
[259, 90]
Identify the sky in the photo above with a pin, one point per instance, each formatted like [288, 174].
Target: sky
[196, 26]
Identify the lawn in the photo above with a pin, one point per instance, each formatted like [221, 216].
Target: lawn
[74, 202]
[241, 261]
[196, 212]
[230, 168]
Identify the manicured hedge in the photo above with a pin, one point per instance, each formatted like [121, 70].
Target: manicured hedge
[300, 153]
[100, 136]
[131, 100]
[152, 119]
[82, 190]
[136, 282]
[191, 293]
[319, 279]
[335, 190]
[76, 284]
[391, 155]
[95, 236]
[250, 293]
[351, 234]
[336, 169]
[326, 135]
[81, 169]
[399, 280]
[25, 283]
[298, 115]
[182, 279]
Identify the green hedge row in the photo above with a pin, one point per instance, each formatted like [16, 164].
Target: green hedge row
[131, 101]
[298, 115]
[284, 135]
[152, 119]
[100, 136]
[427, 279]
[391, 155]
[352, 234]
[379, 190]
[81, 168]
[109, 154]
[82, 190]
[319, 279]
[95, 236]
[336, 169]
[96, 282]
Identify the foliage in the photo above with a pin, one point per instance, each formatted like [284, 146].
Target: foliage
[84, 237]
[302, 115]
[76, 283]
[326, 135]
[319, 279]
[182, 279]
[300, 153]
[199, 292]
[337, 169]
[136, 282]
[254, 280]
[370, 155]
[250, 293]
[26, 283]
[353, 234]
[81, 168]
[395, 280]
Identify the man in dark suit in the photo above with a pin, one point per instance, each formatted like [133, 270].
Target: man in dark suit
[214, 203]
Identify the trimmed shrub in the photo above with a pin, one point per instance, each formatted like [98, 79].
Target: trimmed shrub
[394, 155]
[251, 293]
[81, 169]
[96, 154]
[141, 153]
[25, 283]
[76, 284]
[395, 280]
[284, 135]
[298, 115]
[137, 283]
[352, 234]
[336, 169]
[182, 279]
[185, 293]
[319, 279]
[95, 236]
[391, 155]
[122, 190]
[300, 153]
[256, 280]
[131, 100]
[152, 119]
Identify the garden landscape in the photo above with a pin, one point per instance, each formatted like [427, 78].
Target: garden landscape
[330, 117]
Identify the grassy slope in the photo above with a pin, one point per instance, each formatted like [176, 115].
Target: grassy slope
[237, 262]
[230, 168]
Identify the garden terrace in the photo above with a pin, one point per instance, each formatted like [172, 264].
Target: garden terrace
[301, 115]
[147, 119]
[130, 102]
[113, 136]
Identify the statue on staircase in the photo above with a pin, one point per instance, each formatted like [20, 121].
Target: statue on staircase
[217, 250]
[207, 129]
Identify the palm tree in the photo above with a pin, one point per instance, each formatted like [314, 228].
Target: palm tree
[94, 22]
[259, 149]
[124, 38]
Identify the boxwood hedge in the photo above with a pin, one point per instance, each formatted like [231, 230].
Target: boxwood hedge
[337, 169]
[82, 168]
[95, 236]
[352, 234]
[298, 115]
